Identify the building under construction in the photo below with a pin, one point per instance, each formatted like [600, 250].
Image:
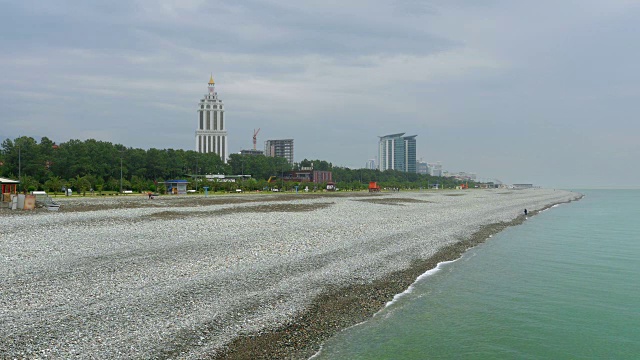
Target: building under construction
[279, 148]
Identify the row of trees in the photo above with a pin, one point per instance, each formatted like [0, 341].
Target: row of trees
[103, 166]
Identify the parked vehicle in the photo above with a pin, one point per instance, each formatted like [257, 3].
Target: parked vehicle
[374, 187]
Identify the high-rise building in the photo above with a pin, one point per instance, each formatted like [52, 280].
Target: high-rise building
[397, 152]
[371, 164]
[422, 167]
[211, 135]
[279, 148]
[410, 153]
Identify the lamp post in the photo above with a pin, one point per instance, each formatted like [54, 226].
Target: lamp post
[197, 172]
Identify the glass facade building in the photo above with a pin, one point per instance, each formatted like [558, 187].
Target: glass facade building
[397, 152]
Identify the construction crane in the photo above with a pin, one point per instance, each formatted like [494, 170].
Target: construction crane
[255, 137]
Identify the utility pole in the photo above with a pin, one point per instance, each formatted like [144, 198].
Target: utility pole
[20, 166]
[121, 151]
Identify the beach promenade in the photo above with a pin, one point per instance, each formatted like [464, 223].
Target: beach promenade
[237, 276]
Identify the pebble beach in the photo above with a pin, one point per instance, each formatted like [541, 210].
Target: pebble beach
[250, 276]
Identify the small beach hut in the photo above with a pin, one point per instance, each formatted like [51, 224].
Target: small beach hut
[8, 187]
[176, 187]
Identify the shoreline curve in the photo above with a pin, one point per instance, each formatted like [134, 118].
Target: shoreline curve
[339, 309]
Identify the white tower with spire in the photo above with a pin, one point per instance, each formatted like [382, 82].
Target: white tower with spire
[211, 134]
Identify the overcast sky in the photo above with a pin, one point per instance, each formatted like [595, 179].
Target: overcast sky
[543, 92]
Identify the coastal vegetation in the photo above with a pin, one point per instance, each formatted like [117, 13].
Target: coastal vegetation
[103, 167]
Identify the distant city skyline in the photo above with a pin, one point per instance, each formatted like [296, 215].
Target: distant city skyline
[525, 92]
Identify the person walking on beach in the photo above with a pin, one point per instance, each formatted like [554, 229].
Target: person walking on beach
[525, 212]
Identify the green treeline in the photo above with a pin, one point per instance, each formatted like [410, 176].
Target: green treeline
[103, 166]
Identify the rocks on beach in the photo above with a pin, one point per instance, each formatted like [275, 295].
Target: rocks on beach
[184, 277]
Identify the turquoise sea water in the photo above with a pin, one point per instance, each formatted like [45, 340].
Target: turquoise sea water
[563, 285]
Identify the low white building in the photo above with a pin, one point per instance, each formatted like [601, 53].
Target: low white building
[435, 169]
[226, 178]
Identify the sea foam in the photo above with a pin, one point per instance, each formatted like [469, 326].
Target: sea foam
[430, 272]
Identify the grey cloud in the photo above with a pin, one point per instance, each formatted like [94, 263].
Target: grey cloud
[296, 32]
[477, 81]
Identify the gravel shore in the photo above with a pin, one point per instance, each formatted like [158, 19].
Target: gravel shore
[243, 276]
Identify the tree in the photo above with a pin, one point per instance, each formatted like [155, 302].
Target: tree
[113, 184]
[137, 183]
[53, 184]
[100, 163]
[305, 163]
[99, 184]
[29, 183]
[322, 165]
[126, 184]
[81, 183]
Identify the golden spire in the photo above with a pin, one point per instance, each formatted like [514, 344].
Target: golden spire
[211, 82]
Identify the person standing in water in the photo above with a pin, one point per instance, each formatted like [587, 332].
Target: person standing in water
[525, 212]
